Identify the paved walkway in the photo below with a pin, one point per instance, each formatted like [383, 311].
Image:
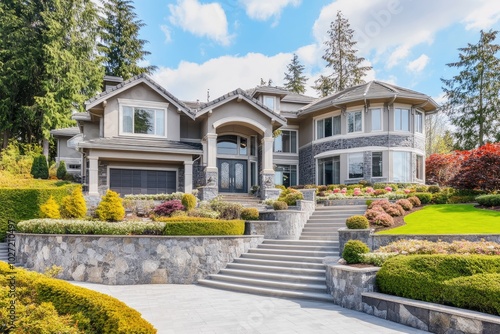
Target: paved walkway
[193, 309]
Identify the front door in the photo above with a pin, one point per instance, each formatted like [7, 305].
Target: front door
[232, 175]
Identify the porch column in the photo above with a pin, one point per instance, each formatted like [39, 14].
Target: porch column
[188, 177]
[268, 191]
[93, 176]
[211, 172]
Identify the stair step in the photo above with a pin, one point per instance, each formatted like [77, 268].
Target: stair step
[289, 252]
[342, 207]
[274, 263]
[269, 283]
[299, 247]
[300, 242]
[324, 297]
[274, 276]
[315, 224]
[322, 238]
[283, 257]
[275, 269]
[317, 233]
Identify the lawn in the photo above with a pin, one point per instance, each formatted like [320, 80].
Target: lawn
[449, 219]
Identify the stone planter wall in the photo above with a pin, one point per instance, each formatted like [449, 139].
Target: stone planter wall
[346, 284]
[346, 234]
[377, 241]
[289, 222]
[268, 228]
[131, 259]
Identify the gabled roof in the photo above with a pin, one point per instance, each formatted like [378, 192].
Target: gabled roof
[284, 94]
[141, 78]
[239, 94]
[66, 132]
[370, 91]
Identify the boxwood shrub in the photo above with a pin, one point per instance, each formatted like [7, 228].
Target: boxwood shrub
[92, 311]
[425, 198]
[201, 226]
[434, 278]
[489, 200]
[24, 203]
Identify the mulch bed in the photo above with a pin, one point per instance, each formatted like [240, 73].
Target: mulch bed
[398, 221]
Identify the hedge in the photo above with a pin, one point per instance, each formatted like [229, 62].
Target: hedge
[488, 200]
[434, 278]
[201, 226]
[93, 311]
[24, 203]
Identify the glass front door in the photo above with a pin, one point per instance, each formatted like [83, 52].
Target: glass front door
[232, 175]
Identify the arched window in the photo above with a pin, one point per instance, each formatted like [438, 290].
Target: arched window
[232, 145]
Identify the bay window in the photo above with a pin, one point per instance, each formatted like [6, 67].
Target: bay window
[401, 167]
[401, 119]
[328, 127]
[356, 165]
[354, 121]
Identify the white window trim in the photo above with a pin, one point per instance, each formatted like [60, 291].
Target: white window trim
[296, 144]
[347, 122]
[274, 101]
[409, 119]
[348, 163]
[371, 162]
[141, 104]
[295, 163]
[417, 113]
[381, 119]
[322, 118]
[423, 167]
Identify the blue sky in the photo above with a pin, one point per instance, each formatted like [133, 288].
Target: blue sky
[223, 45]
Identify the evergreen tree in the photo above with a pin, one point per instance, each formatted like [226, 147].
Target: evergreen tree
[61, 170]
[340, 56]
[294, 80]
[121, 46]
[473, 94]
[40, 169]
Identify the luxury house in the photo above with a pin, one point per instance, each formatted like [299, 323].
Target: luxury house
[136, 137]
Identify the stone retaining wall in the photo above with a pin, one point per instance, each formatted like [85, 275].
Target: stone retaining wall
[288, 223]
[112, 259]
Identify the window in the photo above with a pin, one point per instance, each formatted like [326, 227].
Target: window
[328, 127]
[253, 146]
[354, 121]
[269, 102]
[377, 166]
[355, 165]
[376, 119]
[420, 167]
[286, 142]
[329, 171]
[71, 166]
[232, 145]
[401, 166]
[401, 119]
[419, 122]
[143, 121]
[285, 175]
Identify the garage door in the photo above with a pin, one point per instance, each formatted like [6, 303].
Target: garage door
[138, 181]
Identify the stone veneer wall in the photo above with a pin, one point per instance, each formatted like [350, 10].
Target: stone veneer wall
[376, 241]
[131, 259]
[288, 223]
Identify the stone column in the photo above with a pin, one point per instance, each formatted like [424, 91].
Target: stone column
[93, 176]
[268, 190]
[210, 190]
[188, 177]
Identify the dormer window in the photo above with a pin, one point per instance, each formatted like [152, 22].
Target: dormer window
[143, 121]
[270, 102]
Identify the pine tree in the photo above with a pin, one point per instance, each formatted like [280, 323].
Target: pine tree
[340, 56]
[121, 46]
[473, 94]
[294, 80]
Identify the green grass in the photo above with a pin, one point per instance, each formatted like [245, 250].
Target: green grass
[449, 219]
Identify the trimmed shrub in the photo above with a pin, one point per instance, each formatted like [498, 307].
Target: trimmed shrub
[280, 205]
[202, 226]
[353, 250]
[376, 259]
[111, 207]
[290, 196]
[250, 214]
[415, 201]
[227, 210]
[425, 198]
[39, 168]
[394, 210]
[461, 199]
[74, 206]
[370, 214]
[280, 186]
[380, 192]
[432, 278]
[421, 189]
[433, 189]
[413, 246]
[440, 198]
[189, 201]
[166, 208]
[61, 170]
[405, 204]
[203, 213]
[50, 209]
[488, 200]
[383, 219]
[357, 222]
[379, 202]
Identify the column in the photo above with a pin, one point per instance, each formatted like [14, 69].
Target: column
[211, 171]
[93, 177]
[268, 191]
[188, 177]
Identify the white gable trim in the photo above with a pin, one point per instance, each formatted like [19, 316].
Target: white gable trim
[240, 119]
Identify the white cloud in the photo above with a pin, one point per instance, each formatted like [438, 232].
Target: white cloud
[418, 64]
[190, 81]
[388, 30]
[167, 32]
[203, 20]
[265, 9]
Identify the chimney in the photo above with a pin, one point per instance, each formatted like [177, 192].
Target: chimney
[110, 82]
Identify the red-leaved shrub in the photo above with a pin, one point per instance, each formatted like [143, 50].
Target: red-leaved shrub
[167, 208]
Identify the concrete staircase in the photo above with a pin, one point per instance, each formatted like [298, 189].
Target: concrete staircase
[288, 268]
[246, 200]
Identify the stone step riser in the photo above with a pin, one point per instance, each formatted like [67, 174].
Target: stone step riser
[291, 258]
[280, 270]
[289, 252]
[318, 238]
[267, 291]
[299, 242]
[270, 284]
[274, 277]
[309, 248]
[284, 264]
